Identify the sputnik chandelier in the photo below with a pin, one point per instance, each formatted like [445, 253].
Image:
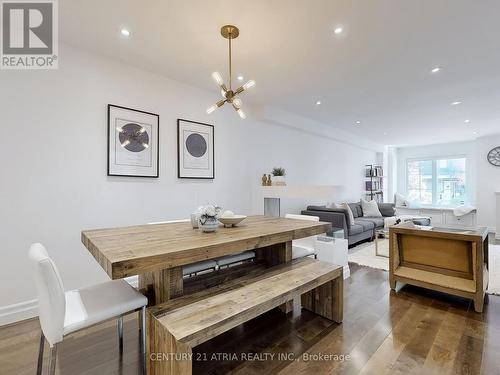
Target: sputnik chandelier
[230, 32]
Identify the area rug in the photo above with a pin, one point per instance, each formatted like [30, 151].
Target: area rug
[364, 255]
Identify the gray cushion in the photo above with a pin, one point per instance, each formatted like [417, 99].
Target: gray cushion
[355, 229]
[366, 224]
[386, 209]
[356, 209]
[378, 222]
[324, 208]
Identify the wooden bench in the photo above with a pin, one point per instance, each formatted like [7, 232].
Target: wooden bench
[176, 326]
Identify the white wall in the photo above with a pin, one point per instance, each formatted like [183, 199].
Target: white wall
[488, 181]
[54, 181]
[466, 149]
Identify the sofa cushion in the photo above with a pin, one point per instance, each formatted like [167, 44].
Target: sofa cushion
[378, 222]
[366, 224]
[324, 208]
[387, 209]
[355, 229]
[356, 209]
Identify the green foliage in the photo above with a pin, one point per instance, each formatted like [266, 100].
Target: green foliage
[278, 171]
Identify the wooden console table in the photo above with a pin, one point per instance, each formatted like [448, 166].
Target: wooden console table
[449, 260]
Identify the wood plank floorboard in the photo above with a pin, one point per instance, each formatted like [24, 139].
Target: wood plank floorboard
[413, 331]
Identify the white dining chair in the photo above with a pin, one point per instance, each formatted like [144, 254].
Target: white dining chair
[62, 313]
[193, 268]
[303, 247]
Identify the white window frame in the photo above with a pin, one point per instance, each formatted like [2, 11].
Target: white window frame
[434, 174]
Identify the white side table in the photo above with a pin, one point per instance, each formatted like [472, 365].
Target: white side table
[333, 250]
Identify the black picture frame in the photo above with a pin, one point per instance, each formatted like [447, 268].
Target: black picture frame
[179, 173]
[109, 173]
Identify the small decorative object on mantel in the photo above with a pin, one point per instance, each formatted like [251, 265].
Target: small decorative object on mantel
[229, 219]
[264, 180]
[195, 150]
[279, 176]
[132, 142]
[494, 156]
[209, 218]
[269, 181]
[195, 216]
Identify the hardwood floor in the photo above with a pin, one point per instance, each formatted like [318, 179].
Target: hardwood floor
[412, 331]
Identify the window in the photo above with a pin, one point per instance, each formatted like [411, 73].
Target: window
[436, 181]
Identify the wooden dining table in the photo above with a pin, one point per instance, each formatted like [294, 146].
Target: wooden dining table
[157, 252]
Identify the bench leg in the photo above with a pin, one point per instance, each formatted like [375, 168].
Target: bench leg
[165, 354]
[327, 300]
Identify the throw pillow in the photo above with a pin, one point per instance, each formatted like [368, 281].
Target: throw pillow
[346, 207]
[400, 200]
[331, 205]
[370, 208]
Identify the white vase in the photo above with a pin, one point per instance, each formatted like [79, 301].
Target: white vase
[209, 225]
[279, 181]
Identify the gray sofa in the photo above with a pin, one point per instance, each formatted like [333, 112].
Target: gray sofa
[363, 227]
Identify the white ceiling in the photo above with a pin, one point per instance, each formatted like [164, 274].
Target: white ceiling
[377, 71]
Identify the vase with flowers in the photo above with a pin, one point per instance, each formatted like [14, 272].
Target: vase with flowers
[209, 218]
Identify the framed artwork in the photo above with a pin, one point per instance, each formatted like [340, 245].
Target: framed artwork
[195, 150]
[133, 142]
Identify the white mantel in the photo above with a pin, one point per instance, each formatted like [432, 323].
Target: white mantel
[294, 191]
[271, 195]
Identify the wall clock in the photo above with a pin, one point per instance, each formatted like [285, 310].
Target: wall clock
[494, 156]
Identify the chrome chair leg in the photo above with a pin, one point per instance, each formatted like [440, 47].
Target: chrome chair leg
[40, 355]
[142, 322]
[52, 360]
[120, 334]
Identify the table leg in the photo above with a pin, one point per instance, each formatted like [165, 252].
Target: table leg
[274, 255]
[161, 286]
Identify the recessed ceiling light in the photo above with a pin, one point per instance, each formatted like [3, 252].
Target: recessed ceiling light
[466, 121]
[338, 30]
[455, 103]
[385, 133]
[358, 122]
[318, 102]
[436, 69]
[240, 78]
[474, 132]
[125, 32]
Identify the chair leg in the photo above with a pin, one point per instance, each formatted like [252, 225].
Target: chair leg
[40, 355]
[120, 334]
[52, 360]
[142, 322]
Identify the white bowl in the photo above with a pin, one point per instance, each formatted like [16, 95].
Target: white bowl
[231, 221]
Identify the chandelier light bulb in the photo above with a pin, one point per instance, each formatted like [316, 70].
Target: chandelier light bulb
[242, 114]
[237, 102]
[211, 109]
[217, 78]
[249, 84]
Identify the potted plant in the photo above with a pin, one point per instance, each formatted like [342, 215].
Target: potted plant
[279, 176]
[209, 218]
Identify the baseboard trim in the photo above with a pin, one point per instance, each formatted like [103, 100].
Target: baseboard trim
[18, 311]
